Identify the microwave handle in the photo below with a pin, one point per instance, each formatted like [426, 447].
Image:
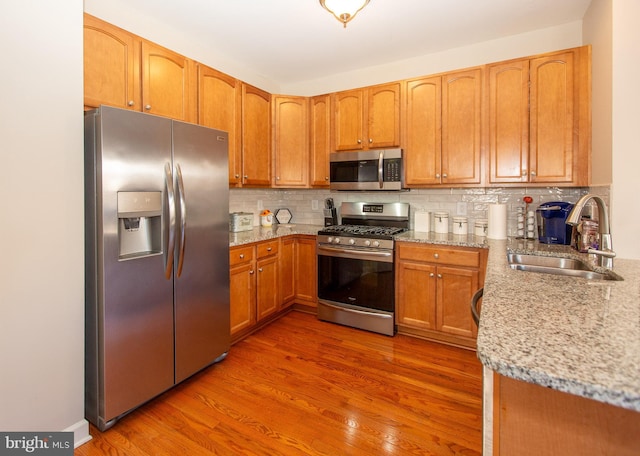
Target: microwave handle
[381, 168]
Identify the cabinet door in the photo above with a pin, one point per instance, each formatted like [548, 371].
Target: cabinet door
[320, 129]
[416, 294]
[348, 111]
[168, 83]
[111, 66]
[219, 107]
[461, 122]
[456, 287]
[256, 137]
[286, 262]
[267, 287]
[423, 130]
[509, 122]
[243, 292]
[552, 118]
[383, 115]
[291, 141]
[306, 270]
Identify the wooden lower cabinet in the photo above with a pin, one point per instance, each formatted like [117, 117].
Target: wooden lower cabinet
[434, 287]
[531, 420]
[254, 285]
[306, 272]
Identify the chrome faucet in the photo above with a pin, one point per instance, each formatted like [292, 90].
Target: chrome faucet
[605, 253]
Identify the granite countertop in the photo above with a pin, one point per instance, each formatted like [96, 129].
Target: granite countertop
[576, 335]
[259, 233]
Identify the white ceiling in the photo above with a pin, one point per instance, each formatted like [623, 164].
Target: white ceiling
[292, 41]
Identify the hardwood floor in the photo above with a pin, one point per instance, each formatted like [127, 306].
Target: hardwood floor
[305, 387]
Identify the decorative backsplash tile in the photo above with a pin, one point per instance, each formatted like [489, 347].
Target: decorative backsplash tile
[306, 205]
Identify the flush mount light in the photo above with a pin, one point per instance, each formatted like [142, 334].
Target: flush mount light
[344, 10]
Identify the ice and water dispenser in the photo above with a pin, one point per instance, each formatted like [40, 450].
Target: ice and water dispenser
[139, 224]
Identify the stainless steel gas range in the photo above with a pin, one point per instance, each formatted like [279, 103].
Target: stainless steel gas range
[356, 269]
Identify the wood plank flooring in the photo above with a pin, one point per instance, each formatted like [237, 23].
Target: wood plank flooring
[305, 387]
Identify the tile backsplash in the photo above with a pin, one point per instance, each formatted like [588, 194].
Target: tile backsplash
[306, 204]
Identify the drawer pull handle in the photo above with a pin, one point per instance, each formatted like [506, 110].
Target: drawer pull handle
[268, 249]
[242, 256]
[436, 255]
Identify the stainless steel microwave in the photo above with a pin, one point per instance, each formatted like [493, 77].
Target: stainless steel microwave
[380, 169]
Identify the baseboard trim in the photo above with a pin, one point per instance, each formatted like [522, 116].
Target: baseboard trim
[80, 431]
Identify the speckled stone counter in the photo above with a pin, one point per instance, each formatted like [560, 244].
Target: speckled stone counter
[574, 335]
[276, 231]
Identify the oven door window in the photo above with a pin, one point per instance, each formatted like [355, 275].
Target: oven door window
[354, 171]
[357, 282]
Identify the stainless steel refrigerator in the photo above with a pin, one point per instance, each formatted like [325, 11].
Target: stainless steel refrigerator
[157, 257]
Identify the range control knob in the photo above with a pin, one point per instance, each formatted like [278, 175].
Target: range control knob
[376, 244]
[330, 239]
[352, 241]
[336, 240]
[367, 242]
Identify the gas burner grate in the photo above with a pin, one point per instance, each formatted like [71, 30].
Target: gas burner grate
[363, 230]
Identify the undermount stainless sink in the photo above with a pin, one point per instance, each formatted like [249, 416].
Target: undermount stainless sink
[558, 265]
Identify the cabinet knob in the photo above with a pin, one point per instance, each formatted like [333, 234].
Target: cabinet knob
[277, 178]
[437, 175]
[237, 176]
[359, 141]
[436, 255]
[242, 256]
[439, 276]
[131, 103]
[246, 177]
[269, 249]
[370, 140]
[326, 178]
[444, 176]
[147, 107]
[259, 269]
[533, 173]
[252, 271]
[431, 274]
[524, 173]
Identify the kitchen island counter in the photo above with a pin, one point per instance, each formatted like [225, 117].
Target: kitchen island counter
[571, 334]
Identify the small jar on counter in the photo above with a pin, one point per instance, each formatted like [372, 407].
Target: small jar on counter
[480, 227]
[441, 222]
[460, 225]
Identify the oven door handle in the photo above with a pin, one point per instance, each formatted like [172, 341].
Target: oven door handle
[355, 254]
[356, 311]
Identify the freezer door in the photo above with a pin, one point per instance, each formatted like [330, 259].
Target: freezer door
[129, 301]
[202, 247]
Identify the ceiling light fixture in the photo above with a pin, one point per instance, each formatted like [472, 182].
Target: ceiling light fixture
[344, 10]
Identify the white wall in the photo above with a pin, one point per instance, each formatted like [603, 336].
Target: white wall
[597, 31]
[626, 121]
[42, 268]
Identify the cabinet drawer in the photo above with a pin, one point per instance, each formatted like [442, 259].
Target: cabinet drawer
[268, 248]
[440, 255]
[238, 255]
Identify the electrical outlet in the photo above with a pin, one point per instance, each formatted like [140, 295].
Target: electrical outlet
[260, 206]
[461, 208]
[314, 205]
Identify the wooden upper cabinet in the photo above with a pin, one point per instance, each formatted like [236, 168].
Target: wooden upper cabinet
[461, 127]
[291, 141]
[422, 131]
[320, 139]
[256, 137]
[168, 83]
[219, 107]
[552, 118]
[539, 119]
[367, 118]
[348, 120]
[111, 66]
[383, 116]
[509, 122]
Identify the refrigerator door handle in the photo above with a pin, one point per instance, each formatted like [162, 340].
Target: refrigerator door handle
[171, 204]
[183, 218]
